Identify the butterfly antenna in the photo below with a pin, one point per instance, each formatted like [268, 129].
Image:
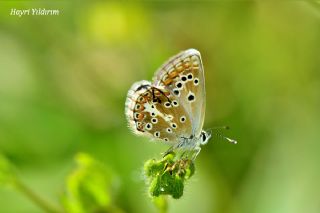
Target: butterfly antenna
[226, 138]
[222, 136]
[221, 127]
[230, 140]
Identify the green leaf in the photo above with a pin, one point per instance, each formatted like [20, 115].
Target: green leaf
[168, 175]
[7, 173]
[88, 187]
[161, 202]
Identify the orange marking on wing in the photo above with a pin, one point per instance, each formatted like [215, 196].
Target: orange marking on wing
[167, 81]
[140, 109]
[173, 74]
[157, 93]
[196, 69]
[140, 127]
[166, 93]
[140, 116]
[187, 62]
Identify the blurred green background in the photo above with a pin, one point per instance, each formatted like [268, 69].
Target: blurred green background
[64, 79]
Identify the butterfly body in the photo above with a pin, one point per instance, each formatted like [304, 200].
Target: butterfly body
[171, 108]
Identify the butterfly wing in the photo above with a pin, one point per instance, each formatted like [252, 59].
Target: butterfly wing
[152, 111]
[183, 76]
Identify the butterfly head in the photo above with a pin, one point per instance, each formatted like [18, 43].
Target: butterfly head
[204, 137]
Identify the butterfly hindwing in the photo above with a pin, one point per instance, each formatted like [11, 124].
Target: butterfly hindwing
[154, 112]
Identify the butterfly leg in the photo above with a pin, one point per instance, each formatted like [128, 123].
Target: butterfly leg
[183, 154]
[196, 150]
[170, 150]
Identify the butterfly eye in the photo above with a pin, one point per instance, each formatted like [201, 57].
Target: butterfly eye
[205, 137]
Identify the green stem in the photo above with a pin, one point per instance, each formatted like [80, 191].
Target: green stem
[161, 203]
[47, 207]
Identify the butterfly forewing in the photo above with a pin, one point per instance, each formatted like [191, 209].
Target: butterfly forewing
[183, 76]
[155, 112]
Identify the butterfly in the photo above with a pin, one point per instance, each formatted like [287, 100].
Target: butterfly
[171, 108]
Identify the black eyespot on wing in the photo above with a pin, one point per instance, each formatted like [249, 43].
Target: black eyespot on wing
[167, 104]
[156, 100]
[182, 119]
[157, 134]
[140, 99]
[190, 76]
[148, 126]
[183, 78]
[190, 97]
[176, 92]
[145, 86]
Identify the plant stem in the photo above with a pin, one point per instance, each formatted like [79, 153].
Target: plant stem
[161, 203]
[36, 199]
